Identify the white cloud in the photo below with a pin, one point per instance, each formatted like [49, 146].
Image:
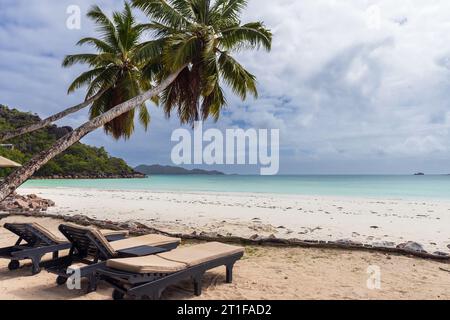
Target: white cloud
[338, 89]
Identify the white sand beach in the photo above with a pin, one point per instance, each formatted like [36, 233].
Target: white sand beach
[263, 273]
[364, 220]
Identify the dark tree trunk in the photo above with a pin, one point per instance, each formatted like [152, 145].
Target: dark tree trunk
[46, 122]
[19, 176]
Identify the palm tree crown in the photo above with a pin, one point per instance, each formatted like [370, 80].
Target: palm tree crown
[116, 69]
[200, 37]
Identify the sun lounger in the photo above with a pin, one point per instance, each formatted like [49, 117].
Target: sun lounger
[35, 242]
[90, 249]
[147, 277]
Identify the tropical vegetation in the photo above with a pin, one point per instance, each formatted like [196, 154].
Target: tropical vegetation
[183, 65]
[78, 160]
[116, 69]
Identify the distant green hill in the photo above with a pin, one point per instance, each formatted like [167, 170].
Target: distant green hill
[168, 170]
[79, 160]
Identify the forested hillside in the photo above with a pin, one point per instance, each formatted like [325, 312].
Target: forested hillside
[79, 161]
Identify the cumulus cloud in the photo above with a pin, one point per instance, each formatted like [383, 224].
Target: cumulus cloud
[348, 95]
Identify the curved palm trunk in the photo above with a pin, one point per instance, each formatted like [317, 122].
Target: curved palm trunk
[19, 176]
[45, 123]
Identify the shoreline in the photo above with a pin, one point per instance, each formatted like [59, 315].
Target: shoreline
[257, 216]
[231, 193]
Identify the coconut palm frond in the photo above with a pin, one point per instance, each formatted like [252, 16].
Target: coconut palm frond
[200, 36]
[117, 68]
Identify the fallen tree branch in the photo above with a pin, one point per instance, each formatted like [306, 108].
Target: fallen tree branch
[137, 229]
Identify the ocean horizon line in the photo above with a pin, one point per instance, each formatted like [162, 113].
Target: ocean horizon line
[365, 186]
[335, 174]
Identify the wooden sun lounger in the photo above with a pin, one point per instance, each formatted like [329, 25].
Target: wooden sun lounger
[147, 277]
[90, 249]
[35, 241]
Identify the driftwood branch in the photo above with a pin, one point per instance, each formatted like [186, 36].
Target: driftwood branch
[137, 229]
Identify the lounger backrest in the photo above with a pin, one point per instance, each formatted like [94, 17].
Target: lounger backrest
[33, 233]
[23, 232]
[88, 241]
[44, 233]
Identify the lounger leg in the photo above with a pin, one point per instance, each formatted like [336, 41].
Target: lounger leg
[198, 285]
[158, 295]
[230, 273]
[92, 285]
[154, 296]
[35, 268]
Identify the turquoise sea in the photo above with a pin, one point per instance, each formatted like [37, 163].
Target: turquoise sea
[403, 187]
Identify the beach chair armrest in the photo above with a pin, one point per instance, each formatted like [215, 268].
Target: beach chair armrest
[90, 268]
[115, 273]
[140, 251]
[115, 237]
[7, 251]
[23, 254]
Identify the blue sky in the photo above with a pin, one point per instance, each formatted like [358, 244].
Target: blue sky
[354, 86]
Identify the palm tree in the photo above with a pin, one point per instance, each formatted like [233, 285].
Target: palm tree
[116, 69]
[200, 37]
[114, 76]
[187, 61]
[112, 67]
[48, 121]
